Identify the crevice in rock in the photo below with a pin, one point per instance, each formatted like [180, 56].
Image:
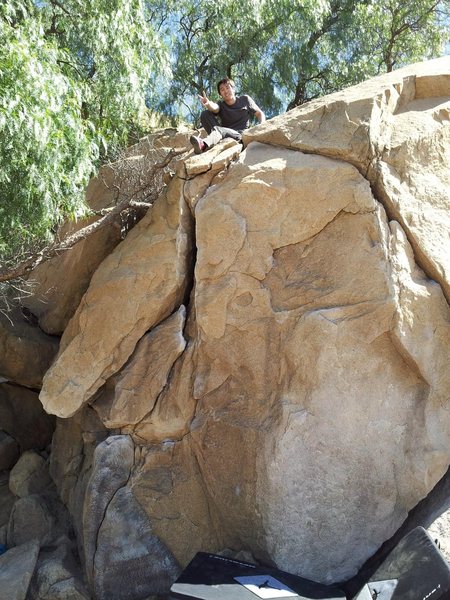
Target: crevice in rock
[365, 170]
[188, 298]
[209, 498]
[103, 517]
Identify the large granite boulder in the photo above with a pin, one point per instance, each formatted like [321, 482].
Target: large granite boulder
[302, 408]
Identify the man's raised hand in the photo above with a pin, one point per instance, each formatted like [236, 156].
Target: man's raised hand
[203, 99]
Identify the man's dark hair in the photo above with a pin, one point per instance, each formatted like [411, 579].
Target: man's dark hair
[225, 80]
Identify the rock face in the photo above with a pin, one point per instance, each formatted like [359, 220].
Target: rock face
[23, 418]
[289, 395]
[16, 569]
[136, 287]
[26, 352]
[124, 560]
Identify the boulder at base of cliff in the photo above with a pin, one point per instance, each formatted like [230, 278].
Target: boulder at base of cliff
[303, 408]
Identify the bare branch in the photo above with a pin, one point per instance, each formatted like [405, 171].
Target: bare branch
[61, 7]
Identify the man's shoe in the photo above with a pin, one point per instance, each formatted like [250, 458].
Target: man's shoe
[198, 144]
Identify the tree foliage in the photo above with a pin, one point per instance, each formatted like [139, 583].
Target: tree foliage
[286, 52]
[75, 76]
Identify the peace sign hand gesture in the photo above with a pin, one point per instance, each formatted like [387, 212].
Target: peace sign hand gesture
[203, 99]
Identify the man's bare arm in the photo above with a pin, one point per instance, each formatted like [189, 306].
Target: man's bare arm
[260, 115]
[209, 104]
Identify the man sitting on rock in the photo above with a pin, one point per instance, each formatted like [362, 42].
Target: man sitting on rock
[233, 111]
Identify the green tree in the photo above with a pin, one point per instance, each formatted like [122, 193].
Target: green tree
[73, 77]
[210, 41]
[286, 52]
[394, 33]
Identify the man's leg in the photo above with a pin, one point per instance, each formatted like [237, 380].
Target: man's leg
[226, 132]
[217, 134]
[209, 120]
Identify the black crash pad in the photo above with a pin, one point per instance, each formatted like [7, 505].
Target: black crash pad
[212, 577]
[414, 570]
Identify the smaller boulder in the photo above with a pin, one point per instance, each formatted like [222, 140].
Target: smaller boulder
[23, 417]
[58, 575]
[16, 569]
[30, 475]
[31, 519]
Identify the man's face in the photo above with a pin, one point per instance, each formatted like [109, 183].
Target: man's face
[226, 90]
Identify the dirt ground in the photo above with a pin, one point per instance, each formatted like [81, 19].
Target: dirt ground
[440, 531]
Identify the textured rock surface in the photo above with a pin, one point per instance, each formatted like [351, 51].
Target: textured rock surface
[133, 394]
[136, 287]
[113, 460]
[130, 562]
[123, 559]
[23, 418]
[303, 408]
[57, 576]
[30, 475]
[16, 569]
[26, 352]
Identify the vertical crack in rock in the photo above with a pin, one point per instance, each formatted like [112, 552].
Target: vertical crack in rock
[147, 271]
[308, 408]
[131, 394]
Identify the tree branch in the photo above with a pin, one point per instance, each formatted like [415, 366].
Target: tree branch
[58, 247]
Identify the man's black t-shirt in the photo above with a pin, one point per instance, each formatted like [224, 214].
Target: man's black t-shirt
[238, 115]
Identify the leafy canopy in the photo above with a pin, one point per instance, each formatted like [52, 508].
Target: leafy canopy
[75, 76]
[286, 52]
